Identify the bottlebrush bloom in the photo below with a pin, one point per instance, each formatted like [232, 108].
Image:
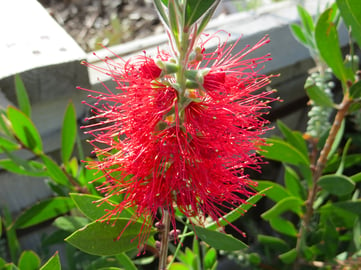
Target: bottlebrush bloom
[163, 147]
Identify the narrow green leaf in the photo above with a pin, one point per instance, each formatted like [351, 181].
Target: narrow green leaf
[294, 138]
[336, 184]
[25, 130]
[91, 206]
[55, 172]
[8, 145]
[68, 134]
[351, 14]
[274, 243]
[12, 240]
[43, 211]
[29, 260]
[178, 266]
[126, 262]
[355, 90]
[292, 204]
[275, 191]
[219, 240]
[283, 226]
[23, 167]
[101, 238]
[239, 211]
[329, 47]
[298, 34]
[53, 263]
[289, 256]
[282, 151]
[319, 97]
[356, 177]
[70, 223]
[293, 183]
[22, 96]
[306, 19]
[210, 258]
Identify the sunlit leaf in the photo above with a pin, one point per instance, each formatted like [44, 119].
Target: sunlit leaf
[351, 14]
[329, 47]
[22, 96]
[24, 129]
[69, 132]
[54, 171]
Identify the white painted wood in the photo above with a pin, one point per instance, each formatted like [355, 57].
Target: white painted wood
[30, 38]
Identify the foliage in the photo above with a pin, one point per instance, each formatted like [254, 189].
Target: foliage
[315, 217]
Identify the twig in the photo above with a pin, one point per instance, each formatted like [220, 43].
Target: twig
[164, 239]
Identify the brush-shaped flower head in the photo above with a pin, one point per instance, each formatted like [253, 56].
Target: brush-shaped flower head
[164, 147]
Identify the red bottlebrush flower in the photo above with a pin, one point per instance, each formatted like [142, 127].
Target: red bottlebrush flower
[161, 146]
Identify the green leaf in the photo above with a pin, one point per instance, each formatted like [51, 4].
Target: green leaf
[275, 191]
[350, 206]
[219, 240]
[195, 10]
[294, 138]
[29, 261]
[351, 14]
[8, 145]
[91, 206]
[53, 263]
[22, 96]
[356, 177]
[355, 90]
[319, 97]
[70, 223]
[283, 226]
[43, 211]
[293, 183]
[178, 266]
[25, 130]
[55, 172]
[210, 258]
[126, 262]
[288, 204]
[239, 211]
[274, 243]
[342, 214]
[336, 184]
[298, 34]
[101, 238]
[289, 256]
[69, 132]
[23, 167]
[329, 47]
[11, 237]
[282, 151]
[306, 19]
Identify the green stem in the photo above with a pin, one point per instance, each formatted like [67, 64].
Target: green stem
[320, 165]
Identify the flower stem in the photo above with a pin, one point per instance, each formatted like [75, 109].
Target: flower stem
[164, 239]
[320, 165]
